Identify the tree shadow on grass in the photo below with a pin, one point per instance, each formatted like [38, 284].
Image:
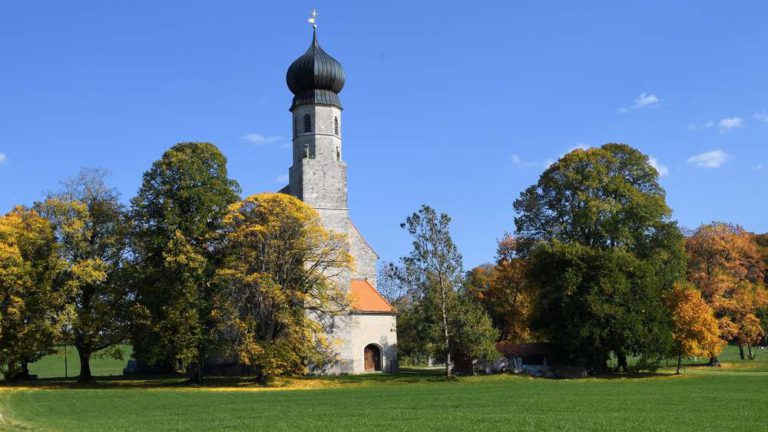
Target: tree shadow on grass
[405, 376]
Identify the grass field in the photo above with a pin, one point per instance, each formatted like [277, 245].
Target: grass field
[731, 398]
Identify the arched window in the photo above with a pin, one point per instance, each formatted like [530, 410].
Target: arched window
[338, 154]
[295, 127]
[307, 123]
[336, 125]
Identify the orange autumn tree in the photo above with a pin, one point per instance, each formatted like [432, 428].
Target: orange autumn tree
[695, 329]
[503, 291]
[726, 266]
[748, 300]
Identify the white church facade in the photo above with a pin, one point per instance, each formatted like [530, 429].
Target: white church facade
[367, 336]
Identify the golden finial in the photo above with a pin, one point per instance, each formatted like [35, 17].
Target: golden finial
[313, 18]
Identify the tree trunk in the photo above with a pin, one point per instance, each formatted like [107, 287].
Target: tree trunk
[448, 371]
[261, 377]
[195, 370]
[741, 350]
[23, 372]
[714, 362]
[444, 308]
[679, 362]
[622, 360]
[749, 348]
[85, 376]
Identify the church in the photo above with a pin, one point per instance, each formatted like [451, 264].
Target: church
[366, 337]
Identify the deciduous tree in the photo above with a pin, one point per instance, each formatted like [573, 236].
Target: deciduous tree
[279, 284]
[593, 303]
[177, 215]
[31, 307]
[91, 229]
[695, 330]
[434, 278]
[726, 265]
[597, 224]
[504, 292]
[472, 330]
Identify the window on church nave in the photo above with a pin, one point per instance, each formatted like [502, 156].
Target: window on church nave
[307, 123]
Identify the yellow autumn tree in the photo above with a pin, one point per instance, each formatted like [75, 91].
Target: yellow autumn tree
[31, 309]
[91, 230]
[278, 284]
[695, 330]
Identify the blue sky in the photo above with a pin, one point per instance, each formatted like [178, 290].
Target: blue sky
[456, 105]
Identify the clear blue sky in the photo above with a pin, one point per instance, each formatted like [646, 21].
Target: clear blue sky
[457, 105]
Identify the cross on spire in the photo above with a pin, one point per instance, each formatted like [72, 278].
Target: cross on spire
[313, 18]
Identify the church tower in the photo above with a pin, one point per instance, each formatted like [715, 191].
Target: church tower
[318, 175]
[367, 335]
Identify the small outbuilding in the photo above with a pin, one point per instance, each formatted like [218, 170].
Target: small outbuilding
[532, 358]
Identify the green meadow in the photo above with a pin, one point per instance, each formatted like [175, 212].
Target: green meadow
[730, 398]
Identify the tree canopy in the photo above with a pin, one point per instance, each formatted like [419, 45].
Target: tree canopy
[177, 217]
[603, 197]
[280, 284]
[32, 309]
[503, 290]
[444, 323]
[695, 329]
[726, 265]
[92, 233]
[603, 251]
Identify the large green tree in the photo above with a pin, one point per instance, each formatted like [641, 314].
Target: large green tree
[603, 250]
[177, 216]
[31, 307]
[92, 231]
[596, 302]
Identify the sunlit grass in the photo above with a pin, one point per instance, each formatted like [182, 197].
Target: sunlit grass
[729, 398]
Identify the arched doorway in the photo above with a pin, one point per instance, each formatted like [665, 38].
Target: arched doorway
[372, 358]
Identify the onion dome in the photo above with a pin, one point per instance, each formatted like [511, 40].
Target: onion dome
[315, 77]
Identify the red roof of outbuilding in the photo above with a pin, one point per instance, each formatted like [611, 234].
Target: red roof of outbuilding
[365, 298]
[509, 349]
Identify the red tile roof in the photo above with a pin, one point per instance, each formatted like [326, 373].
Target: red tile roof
[365, 298]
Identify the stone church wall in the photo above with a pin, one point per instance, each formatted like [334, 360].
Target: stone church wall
[378, 329]
[365, 257]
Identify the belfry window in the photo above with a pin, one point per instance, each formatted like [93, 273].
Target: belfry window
[338, 154]
[336, 126]
[307, 123]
